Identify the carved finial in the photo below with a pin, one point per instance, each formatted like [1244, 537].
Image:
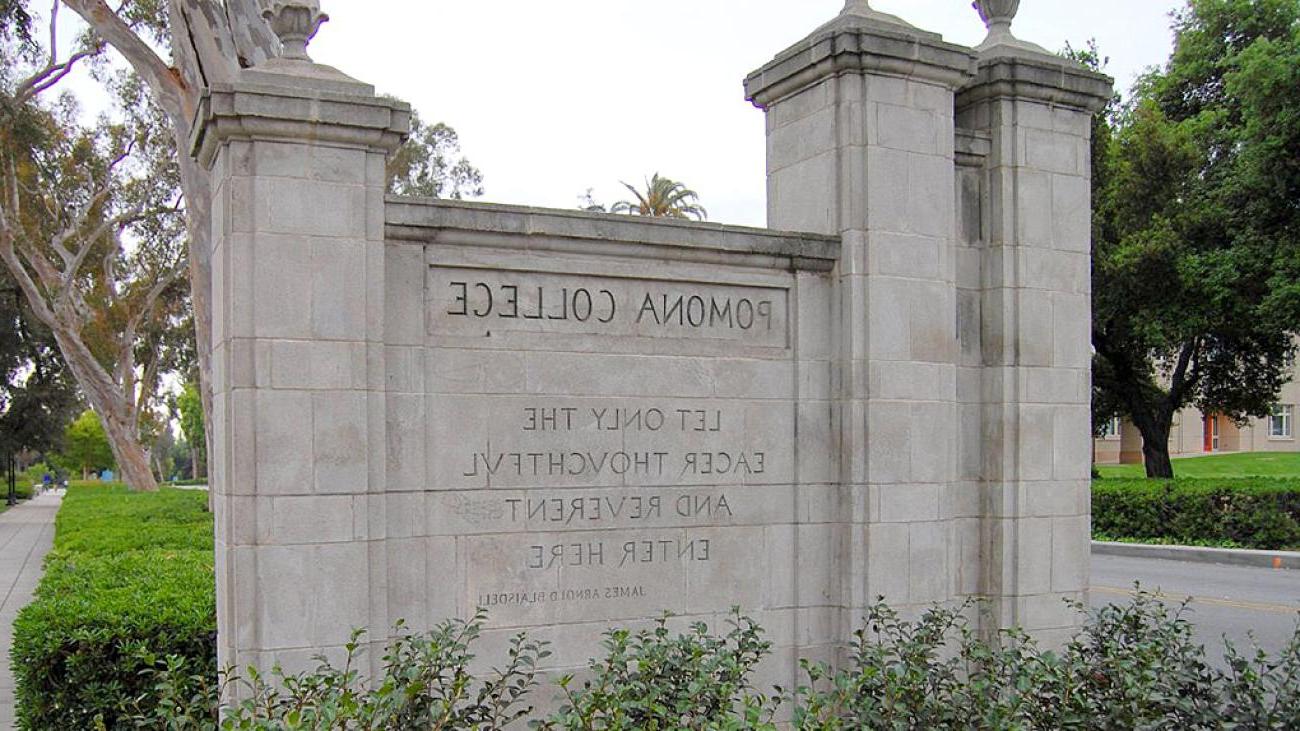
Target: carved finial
[997, 16]
[295, 22]
[862, 10]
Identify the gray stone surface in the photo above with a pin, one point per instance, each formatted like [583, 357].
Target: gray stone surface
[576, 419]
[26, 535]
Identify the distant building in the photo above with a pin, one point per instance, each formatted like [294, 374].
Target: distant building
[1197, 433]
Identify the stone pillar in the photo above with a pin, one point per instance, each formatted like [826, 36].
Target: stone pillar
[296, 152]
[860, 145]
[1035, 108]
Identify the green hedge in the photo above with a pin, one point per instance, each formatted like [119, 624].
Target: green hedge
[130, 578]
[1246, 512]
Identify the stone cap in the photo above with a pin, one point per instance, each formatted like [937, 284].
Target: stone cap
[430, 220]
[1045, 78]
[252, 108]
[860, 43]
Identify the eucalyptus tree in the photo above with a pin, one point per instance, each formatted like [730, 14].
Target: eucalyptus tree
[91, 227]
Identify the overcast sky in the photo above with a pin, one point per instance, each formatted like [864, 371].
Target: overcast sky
[551, 98]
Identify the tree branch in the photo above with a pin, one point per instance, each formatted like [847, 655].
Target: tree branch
[167, 86]
[1178, 383]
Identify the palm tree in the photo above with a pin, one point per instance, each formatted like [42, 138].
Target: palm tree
[664, 198]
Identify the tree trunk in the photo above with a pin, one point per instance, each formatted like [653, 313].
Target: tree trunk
[132, 458]
[1155, 430]
[114, 408]
[195, 182]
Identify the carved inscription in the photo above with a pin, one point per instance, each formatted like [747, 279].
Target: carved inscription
[478, 302]
[606, 545]
[606, 446]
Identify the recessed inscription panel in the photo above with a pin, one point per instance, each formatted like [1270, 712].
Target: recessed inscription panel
[476, 302]
[607, 448]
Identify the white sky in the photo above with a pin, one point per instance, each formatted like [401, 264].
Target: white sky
[551, 98]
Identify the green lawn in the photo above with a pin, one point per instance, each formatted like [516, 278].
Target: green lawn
[1251, 464]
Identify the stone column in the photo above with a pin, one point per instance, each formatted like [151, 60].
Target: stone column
[297, 151]
[1036, 109]
[860, 145]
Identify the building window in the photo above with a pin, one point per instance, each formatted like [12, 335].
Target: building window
[1279, 422]
[1110, 430]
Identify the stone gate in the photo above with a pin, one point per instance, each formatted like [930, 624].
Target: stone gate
[576, 420]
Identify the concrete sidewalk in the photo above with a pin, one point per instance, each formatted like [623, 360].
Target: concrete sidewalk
[26, 534]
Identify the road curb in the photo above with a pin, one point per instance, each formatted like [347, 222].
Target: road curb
[1198, 554]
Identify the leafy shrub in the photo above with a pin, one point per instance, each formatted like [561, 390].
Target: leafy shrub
[1133, 666]
[129, 580]
[1248, 512]
[426, 684]
[653, 680]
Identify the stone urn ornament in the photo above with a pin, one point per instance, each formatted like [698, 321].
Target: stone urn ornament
[997, 16]
[295, 23]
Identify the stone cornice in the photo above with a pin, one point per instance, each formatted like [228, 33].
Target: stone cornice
[471, 223]
[1046, 79]
[314, 111]
[854, 44]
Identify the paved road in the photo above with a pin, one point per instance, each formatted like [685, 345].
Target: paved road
[1230, 601]
[26, 534]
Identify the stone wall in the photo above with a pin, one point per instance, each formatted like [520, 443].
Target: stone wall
[575, 420]
[596, 418]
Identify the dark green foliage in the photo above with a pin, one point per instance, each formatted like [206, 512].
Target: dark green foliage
[38, 396]
[1248, 512]
[121, 637]
[655, 681]
[1196, 235]
[108, 521]
[129, 581]
[429, 682]
[1134, 666]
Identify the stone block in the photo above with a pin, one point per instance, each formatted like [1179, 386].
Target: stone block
[281, 295]
[406, 443]
[889, 333]
[889, 565]
[1071, 553]
[287, 521]
[338, 275]
[928, 560]
[888, 449]
[890, 191]
[311, 596]
[309, 208]
[1071, 213]
[1072, 442]
[282, 434]
[802, 139]
[933, 433]
[908, 503]
[904, 255]
[1050, 152]
[1034, 555]
[339, 443]
[404, 272]
[1072, 330]
[931, 208]
[1036, 449]
[800, 195]
[906, 128]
